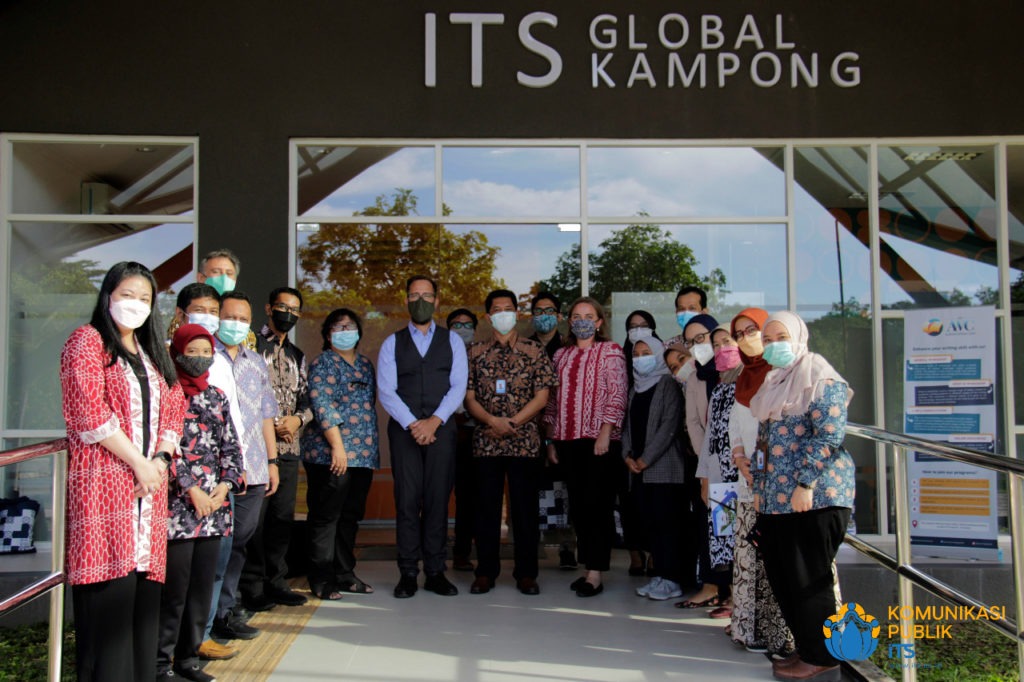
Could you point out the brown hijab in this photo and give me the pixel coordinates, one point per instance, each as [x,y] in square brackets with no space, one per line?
[755,369]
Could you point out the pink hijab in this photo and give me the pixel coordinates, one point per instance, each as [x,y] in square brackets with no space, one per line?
[789,390]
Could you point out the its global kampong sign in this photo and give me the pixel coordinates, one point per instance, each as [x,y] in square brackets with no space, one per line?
[672,50]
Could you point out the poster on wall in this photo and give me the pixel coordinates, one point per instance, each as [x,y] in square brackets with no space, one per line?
[949,397]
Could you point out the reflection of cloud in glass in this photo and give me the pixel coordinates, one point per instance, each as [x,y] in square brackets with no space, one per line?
[528,252]
[481,198]
[411,168]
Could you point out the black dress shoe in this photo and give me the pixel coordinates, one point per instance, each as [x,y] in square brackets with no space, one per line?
[528,586]
[588,590]
[286,597]
[193,673]
[406,587]
[576,584]
[233,628]
[438,584]
[482,585]
[258,603]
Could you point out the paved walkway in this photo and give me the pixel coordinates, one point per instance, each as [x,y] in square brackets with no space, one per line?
[504,636]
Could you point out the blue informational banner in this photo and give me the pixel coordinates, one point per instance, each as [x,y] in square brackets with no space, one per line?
[949,397]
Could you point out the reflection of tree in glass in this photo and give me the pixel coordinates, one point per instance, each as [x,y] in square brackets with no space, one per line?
[365,266]
[640,257]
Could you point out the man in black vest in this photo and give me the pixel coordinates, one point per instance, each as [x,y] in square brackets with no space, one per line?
[421,379]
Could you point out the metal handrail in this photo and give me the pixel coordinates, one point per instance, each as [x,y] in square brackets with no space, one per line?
[902,564]
[54,582]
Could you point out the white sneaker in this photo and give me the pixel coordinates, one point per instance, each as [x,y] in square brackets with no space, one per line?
[666,589]
[646,589]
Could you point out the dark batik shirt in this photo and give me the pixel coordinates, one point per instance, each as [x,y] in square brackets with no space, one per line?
[287,367]
[504,378]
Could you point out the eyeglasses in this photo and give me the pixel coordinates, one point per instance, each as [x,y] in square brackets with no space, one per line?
[344,328]
[750,331]
[463,325]
[639,326]
[283,308]
[697,340]
[545,311]
[426,297]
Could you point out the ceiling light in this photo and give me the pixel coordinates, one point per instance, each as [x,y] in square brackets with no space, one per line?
[569,227]
[145,149]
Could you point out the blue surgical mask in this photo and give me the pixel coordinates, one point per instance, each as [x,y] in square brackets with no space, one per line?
[583,329]
[684,316]
[779,354]
[644,364]
[545,323]
[504,322]
[208,322]
[232,332]
[222,283]
[345,339]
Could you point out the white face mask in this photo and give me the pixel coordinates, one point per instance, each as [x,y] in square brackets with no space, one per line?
[208,322]
[639,333]
[130,313]
[503,322]
[703,353]
[684,372]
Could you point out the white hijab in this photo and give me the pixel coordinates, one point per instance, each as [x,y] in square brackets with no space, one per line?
[789,390]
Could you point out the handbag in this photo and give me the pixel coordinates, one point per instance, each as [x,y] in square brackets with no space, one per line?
[17,522]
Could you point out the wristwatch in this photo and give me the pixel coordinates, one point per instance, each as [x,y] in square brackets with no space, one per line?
[163,455]
[806,486]
[272,461]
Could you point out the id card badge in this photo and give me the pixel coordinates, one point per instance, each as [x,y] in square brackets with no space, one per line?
[499,387]
[759,460]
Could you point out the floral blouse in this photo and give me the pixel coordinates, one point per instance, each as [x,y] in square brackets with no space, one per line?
[344,396]
[808,448]
[210,454]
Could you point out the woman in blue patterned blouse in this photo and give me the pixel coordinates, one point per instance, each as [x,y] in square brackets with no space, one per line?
[805,489]
[340,452]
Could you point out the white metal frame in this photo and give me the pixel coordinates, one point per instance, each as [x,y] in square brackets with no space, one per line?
[788,221]
[7,218]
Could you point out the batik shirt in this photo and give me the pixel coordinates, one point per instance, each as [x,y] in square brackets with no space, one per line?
[287,366]
[256,402]
[504,378]
[210,455]
[808,448]
[345,396]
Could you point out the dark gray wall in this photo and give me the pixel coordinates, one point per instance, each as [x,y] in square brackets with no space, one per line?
[247,76]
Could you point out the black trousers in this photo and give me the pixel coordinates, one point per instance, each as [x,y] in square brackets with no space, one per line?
[185,600]
[523,475]
[465,492]
[662,505]
[336,506]
[246,517]
[116,623]
[592,484]
[424,476]
[265,563]
[634,536]
[798,551]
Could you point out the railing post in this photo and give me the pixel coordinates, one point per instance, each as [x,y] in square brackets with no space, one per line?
[903,553]
[1017,538]
[56,643]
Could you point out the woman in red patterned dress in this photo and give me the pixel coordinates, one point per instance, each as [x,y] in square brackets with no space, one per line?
[584,420]
[124,412]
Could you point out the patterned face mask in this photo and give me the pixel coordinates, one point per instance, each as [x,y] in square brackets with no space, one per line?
[194,365]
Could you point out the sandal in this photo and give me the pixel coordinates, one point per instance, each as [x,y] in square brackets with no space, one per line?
[328,593]
[712,601]
[355,586]
[721,612]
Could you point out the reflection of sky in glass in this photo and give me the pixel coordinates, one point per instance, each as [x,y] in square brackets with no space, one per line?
[505,181]
[150,247]
[408,168]
[684,182]
[942,271]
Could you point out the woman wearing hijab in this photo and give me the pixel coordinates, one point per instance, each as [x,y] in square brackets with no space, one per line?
[123,409]
[697,391]
[199,512]
[653,454]
[805,490]
[640,325]
[757,622]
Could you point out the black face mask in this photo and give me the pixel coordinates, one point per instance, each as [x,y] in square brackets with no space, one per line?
[421,311]
[283,320]
[194,365]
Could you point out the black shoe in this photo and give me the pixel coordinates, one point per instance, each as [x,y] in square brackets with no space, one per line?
[482,585]
[241,613]
[406,587]
[258,603]
[286,597]
[578,583]
[194,673]
[588,590]
[233,628]
[567,560]
[166,675]
[438,584]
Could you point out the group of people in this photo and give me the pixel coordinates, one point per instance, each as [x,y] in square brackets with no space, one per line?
[184,448]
